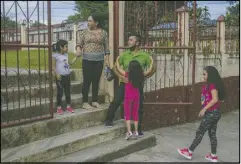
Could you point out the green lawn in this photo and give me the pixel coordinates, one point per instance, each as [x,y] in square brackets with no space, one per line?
[35,57]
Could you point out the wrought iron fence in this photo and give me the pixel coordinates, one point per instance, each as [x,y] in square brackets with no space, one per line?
[157,24]
[26,75]
[232,44]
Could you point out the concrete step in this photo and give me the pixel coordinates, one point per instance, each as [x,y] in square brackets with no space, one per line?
[14,94]
[11,79]
[26,109]
[109,150]
[68,122]
[63,144]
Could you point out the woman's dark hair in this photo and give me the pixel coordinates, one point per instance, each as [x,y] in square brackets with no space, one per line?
[215,78]
[135,75]
[100,18]
[59,44]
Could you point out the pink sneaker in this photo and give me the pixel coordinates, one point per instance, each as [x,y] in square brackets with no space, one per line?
[70,110]
[211,158]
[60,111]
[185,153]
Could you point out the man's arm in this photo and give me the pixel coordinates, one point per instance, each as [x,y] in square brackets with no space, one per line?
[117,73]
[119,69]
[151,70]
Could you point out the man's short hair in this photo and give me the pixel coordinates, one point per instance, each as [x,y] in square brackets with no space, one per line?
[138,37]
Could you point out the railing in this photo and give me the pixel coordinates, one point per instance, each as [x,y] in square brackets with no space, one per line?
[232,43]
[26,76]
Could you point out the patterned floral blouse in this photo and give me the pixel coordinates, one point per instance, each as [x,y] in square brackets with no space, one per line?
[95,44]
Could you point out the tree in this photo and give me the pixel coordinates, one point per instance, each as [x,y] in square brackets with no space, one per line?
[232,2]
[8,23]
[202,14]
[232,14]
[206,13]
[36,24]
[85,8]
[74,18]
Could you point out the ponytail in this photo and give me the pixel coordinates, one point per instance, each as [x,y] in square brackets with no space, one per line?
[54,47]
[60,43]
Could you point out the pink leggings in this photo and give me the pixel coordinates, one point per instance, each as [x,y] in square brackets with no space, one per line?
[131,105]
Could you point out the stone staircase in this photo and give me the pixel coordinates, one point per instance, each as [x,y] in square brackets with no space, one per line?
[72,137]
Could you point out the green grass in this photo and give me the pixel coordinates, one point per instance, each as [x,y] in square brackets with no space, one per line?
[34,57]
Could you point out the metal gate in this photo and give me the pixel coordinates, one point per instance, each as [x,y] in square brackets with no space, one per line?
[164,28]
[26,67]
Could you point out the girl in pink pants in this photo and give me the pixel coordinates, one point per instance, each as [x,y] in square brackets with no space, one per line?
[135,77]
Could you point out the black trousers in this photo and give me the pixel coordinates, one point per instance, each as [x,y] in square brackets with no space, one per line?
[63,85]
[209,123]
[91,75]
[118,99]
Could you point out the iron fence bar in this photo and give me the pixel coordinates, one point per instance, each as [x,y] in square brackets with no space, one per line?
[39,79]
[45,90]
[50,60]
[5,56]
[194,51]
[23,45]
[24,121]
[151,47]
[29,68]
[18,73]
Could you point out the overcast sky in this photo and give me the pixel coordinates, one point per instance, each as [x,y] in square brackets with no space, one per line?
[62,9]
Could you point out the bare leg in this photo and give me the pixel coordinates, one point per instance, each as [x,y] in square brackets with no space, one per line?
[128,126]
[136,126]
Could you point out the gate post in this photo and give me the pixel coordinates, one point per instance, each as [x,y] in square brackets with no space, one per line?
[109,86]
[221,42]
[183,38]
[23,35]
[121,24]
[75,29]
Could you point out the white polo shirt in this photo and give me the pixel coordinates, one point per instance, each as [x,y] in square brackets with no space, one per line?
[62,64]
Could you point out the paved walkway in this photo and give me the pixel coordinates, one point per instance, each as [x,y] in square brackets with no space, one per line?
[171,138]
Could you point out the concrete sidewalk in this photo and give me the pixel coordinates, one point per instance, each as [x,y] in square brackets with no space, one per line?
[171,138]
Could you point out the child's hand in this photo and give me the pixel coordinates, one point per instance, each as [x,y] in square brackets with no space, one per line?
[73,61]
[78,54]
[124,79]
[58,77]
[78,51]
[201,113]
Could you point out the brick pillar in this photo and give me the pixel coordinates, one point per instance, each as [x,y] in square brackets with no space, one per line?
[109,86]
[183,38]
[23,35]
[75,29]
[221,42]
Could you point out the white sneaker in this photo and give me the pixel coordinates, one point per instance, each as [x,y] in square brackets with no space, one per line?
[87,106]
[128,136]
[96,105]
[135,135]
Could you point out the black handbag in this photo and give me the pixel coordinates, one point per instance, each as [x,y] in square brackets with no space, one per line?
[109,73]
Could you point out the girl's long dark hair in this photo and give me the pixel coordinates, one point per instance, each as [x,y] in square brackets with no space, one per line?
[135,75]
[215,78]
[60,43]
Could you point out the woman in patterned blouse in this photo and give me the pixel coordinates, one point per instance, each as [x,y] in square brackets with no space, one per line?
[93,46]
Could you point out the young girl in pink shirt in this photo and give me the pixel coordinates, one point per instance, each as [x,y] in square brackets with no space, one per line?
[135,77]
[213,92]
